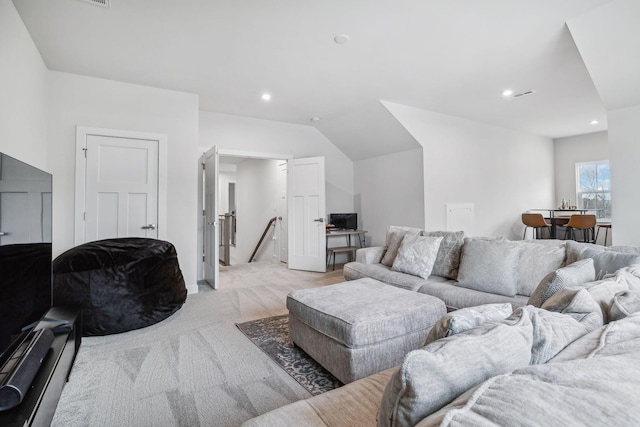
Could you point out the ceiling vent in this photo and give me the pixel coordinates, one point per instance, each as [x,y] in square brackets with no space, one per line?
[101,3]
[525,93]
[510,96]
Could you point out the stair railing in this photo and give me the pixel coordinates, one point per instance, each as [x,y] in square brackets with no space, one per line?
[264,234]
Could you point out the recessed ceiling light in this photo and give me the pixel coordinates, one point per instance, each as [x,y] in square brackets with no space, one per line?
[266,96]
[315,119]
[507,93]
[341,38]
[594,122]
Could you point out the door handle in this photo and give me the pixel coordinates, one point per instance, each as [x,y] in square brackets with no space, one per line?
[149,227]
[319,220]
[2,233]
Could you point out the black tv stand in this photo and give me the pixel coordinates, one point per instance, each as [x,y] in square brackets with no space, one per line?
[40,402]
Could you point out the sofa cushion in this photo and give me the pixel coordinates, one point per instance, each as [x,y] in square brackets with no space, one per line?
[537,259]
[573,274]
[448,259]
[607,262]
[394,237]
[416,255]
[624,303]
[489,266]
[597,386]
[433,376]
[466,318]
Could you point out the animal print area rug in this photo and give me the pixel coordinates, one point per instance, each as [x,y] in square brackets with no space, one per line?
[271,335]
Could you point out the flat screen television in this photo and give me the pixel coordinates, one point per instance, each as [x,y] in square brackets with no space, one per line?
[344,221]
[25,251]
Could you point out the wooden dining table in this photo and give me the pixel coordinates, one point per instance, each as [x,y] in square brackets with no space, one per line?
[560,217]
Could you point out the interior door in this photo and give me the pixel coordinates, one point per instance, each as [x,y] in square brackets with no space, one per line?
[306,207]
[121,193]
[125,165]
[211,229]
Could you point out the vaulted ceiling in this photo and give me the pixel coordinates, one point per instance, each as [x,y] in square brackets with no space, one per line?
[454,57]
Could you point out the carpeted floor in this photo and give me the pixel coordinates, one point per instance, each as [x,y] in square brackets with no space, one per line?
[194,368]
[271,335]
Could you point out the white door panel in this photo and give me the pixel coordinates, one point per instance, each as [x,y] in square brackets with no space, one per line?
[119,177]
[306,202]
[211,229]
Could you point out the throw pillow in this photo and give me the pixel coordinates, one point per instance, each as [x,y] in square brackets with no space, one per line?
[416,255]
[574,274]
[466,318]
[394,241]
[607,262]
[433,376]
[489,266]
[624,304]
[448,258]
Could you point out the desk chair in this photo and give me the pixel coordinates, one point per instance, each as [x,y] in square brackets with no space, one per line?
[535,221]
[586,223]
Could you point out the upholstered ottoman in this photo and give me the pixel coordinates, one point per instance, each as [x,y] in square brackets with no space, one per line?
[357,328]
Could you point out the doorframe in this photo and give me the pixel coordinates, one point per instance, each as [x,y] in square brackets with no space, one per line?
[226,153]
[82,132]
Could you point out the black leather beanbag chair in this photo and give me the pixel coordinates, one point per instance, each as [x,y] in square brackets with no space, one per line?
[121,284]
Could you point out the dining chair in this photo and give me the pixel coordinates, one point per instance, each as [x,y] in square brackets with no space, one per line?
[535,221]
[584,222]
[607,227]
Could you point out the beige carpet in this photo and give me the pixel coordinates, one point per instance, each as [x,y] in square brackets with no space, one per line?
[194,368]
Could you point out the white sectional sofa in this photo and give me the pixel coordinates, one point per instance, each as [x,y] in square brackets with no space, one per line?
[470,271]
[567,355]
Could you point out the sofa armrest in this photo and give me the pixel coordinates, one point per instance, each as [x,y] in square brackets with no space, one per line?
[371,255]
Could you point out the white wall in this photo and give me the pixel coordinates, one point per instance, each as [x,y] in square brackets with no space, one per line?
[624,150]
[571,150]
[23,96]
[501,171]
[248,135]
[264,136]
[78,100]
[257,201]
[389,191]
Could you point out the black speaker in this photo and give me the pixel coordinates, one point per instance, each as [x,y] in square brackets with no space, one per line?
[20,370]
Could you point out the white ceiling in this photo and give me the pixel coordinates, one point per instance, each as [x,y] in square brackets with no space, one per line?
[450,56]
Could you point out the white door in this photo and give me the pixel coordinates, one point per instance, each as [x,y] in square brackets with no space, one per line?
[282,223]
[121,185]
[306,207]
[211,249]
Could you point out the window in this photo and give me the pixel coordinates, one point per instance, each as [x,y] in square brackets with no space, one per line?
[594,187]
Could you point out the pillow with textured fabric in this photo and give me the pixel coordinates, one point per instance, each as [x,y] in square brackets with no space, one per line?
[416,255]
[433,376]
[395,238]
[624,304]
[579,272]
[448,258]
[607,262]
[466,318]
[489,266]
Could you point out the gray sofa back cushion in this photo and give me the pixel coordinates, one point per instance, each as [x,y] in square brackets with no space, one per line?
[537,259]
[607,262]
[489,266]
